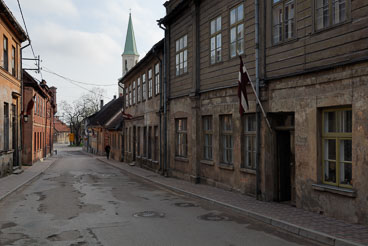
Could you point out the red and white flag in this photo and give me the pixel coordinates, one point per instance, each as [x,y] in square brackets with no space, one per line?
[242,91]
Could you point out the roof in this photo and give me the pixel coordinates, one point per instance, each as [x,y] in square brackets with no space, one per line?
[173,14]
[159,46]
[130,45]
[7,15]
[29,81]
[107,112]
[116,122]
[60,126]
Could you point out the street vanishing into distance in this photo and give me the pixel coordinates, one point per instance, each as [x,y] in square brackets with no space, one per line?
[80,200]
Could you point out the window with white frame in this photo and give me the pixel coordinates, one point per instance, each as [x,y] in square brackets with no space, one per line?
[216,40]
[249,141]
[237,30]
[181,58]
[134,95]
[207,137]
[144,87]
[337,147]
[181,143]
[126,97]
[139,92]
[283,20]
[329,12]
[226,139]
[130,94]
[150,83]
[157,78]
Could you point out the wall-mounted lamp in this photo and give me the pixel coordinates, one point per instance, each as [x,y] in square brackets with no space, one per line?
[25,118]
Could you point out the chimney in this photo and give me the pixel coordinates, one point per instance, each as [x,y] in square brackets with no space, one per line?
[114,96]
[101,104]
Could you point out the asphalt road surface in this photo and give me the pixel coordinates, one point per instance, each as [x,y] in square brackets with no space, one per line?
[82,201]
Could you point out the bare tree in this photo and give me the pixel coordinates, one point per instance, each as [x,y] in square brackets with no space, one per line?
[74,113]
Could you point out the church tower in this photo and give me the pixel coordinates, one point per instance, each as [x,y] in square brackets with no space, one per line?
[130,55]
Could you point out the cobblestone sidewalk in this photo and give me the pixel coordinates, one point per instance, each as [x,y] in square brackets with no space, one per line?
[307,224]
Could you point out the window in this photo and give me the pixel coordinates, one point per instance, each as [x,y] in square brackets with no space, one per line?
[150,83]
[181,60]
[149,142]
[130,94]
[207,137]
[144,86]
[139,141]
[6,65]
[6,126]
[337,147]
[13,62]
[134,95]
[126,97]
[181,146]
[283,21]
[126,65]
[139,96]
[216,40]
[226,139]
[34,142]
[329,12]
[145,141]
[157,78]
[236,30]
[155,146]
[249,141]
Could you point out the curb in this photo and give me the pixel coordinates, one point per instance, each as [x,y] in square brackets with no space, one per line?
[27,181]
[295,229]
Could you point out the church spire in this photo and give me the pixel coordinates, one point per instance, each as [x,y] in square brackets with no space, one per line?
[130,45]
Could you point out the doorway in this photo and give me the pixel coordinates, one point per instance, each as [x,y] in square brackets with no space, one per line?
[134,142]
[285,166]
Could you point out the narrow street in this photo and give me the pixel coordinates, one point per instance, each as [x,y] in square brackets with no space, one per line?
[82,201]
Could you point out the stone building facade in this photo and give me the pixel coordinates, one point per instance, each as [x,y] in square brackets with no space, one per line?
[143,100]
[12,36]
[39,102]
[310,61]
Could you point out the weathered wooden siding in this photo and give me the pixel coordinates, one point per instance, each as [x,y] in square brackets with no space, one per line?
[311,49]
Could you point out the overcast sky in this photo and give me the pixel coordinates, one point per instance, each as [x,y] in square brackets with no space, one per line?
[84,39]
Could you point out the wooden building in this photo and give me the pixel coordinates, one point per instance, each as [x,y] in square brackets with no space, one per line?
[308,60]
[12,36]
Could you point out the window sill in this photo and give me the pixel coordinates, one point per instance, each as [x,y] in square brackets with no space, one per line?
[336,190]
[285,42]
[247,170]
[182,159]
[226,166]
[207,162]
[154,162]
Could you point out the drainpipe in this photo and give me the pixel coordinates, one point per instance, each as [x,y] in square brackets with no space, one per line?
[21,99]
[160,111]
[165,171]
[258,114]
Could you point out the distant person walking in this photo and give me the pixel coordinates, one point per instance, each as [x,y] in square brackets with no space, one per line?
[107,150]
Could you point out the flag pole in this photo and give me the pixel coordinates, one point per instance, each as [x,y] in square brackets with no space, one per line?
[259,102]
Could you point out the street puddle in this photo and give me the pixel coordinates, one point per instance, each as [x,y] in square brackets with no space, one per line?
[149,214]
[65,236]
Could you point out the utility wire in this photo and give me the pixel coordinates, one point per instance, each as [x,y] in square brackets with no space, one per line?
[25,26]
[75,81]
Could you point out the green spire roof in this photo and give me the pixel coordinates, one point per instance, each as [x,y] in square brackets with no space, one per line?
[130,46]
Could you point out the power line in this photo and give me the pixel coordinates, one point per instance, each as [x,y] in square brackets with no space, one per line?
[75,81]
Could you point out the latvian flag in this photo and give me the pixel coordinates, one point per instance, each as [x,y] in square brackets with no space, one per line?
[242,91]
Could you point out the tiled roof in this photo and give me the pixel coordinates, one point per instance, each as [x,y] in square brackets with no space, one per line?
[60,126]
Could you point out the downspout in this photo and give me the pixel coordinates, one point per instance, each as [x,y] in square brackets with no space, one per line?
[165,164]
[160,110]
[21,99]
[258,114]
